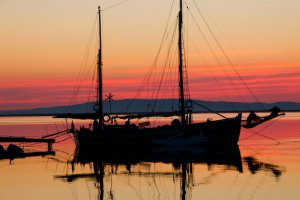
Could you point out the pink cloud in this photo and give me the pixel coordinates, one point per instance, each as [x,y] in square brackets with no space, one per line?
[274,84]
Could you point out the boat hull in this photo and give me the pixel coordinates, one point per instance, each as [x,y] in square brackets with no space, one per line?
[225,132]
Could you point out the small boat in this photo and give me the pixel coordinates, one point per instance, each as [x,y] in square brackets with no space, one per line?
[2,152]
[14,151]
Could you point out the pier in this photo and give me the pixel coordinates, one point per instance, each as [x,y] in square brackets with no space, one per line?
[29,140]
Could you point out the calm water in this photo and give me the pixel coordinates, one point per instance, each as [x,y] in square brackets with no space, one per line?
[266,165]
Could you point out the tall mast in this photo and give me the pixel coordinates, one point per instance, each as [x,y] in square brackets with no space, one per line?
[100,111]
[180,43]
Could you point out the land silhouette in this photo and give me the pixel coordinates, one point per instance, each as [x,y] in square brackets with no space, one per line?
[161,105]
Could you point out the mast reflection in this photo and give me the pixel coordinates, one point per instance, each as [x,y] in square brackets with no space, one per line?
[182,161]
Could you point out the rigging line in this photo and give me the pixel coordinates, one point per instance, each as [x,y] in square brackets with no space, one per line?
[35,144]
[186,59]
[91,89]
[148,75]
[259,132]
[195,102]
[227,57]
[146,78]
[83,64]
[62,140]
[164,39]
[236,52]
[72,138]
[53,134]
[173,78]
[160,48]
[165,65]
[217,59]
[184,71]
[169,79]
[272,123]
[89,192]
[115,5]
[186,41]
[85,77]
[5,135]
[59,135]
[211,71]
[254,133]
[150,71]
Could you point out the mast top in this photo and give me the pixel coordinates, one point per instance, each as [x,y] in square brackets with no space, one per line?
[100,89]
[180,68]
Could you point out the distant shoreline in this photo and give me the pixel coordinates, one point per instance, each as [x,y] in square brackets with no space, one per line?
[52,115]
[165,106]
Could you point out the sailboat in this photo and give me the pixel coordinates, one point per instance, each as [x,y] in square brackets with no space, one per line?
[180,132]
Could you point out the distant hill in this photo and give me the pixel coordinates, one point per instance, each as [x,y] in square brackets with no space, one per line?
[162,105]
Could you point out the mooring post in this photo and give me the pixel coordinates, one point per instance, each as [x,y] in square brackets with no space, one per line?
[49,146]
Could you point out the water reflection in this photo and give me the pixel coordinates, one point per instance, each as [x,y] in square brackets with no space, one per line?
[265,170]
[105,164]
[182,162]
[254,166]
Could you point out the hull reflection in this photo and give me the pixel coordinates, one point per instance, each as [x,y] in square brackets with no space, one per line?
[211,155]
[182,161]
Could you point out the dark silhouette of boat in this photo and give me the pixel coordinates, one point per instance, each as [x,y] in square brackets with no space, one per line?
[181,132]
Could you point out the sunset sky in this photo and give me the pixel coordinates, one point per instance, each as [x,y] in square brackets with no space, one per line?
[43,45]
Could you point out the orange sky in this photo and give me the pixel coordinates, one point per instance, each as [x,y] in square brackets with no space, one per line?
[42,47]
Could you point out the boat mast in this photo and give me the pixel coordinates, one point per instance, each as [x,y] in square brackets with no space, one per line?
[100,110]
[180,43]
